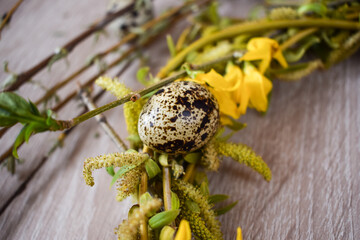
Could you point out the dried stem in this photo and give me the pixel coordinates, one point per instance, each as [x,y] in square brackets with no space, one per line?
[9,14]
[102,121]
[129,37]
[167,188]
[28,74]
[145,91]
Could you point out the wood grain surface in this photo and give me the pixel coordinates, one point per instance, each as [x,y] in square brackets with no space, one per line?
[310,138]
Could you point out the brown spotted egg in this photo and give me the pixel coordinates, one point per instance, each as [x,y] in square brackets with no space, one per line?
[180,117]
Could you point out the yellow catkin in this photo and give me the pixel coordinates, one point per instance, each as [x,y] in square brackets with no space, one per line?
[283,13]
[244,154]
[194,194]
[128,229]
[131,109]
[210,158]
[113,159]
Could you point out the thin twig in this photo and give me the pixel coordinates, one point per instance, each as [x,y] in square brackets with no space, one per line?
[145,91]
[28,74]
[8,15]
[102,121]
[129,37]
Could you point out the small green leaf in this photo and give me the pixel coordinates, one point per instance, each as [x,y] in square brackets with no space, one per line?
[121,172]
[59,54]
[175,202]
[152,168]
[171,45]
[193,157]
[235,125]
[18,141]
[163,218]
[224,210]
[204,188]
[34,109]
[217,198]
[163,160]
[317,8]
[110,171]
[141,74]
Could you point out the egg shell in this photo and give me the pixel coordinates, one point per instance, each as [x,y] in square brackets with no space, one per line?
[179,118]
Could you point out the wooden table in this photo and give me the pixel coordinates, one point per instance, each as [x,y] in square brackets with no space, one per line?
[310,138]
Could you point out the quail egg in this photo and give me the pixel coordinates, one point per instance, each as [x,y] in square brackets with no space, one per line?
[179,118]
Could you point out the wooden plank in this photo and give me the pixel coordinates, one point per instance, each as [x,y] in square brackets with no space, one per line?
[310,138]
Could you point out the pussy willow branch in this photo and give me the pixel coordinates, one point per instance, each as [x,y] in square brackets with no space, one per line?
[253,27]
[129,37]
[145,91]
[8,15]
[108,129]
[28,74]
[125,55]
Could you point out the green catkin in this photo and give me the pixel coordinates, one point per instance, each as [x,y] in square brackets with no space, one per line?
[192,193]
[244,154]
[128,229]
[210,159]
[131,109]
[128,183]
[283,13]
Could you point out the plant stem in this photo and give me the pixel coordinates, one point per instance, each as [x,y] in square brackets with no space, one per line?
[252,27]
[8,15]
[145,91]
[28,74]
[103,122]
[167,188]
[129,37]
[297,37]
[189,172]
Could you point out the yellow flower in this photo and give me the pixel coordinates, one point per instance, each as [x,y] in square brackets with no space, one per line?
[239,234]
[184,231]
[254,90]
[264,49]
[236,90]
[223,89]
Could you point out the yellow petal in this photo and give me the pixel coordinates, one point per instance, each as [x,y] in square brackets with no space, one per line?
[280,58]
[233,77]
[227,105]
[184,231]
[258,87]
[239,234]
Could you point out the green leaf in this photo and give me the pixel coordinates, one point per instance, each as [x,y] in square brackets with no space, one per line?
[34,109]
[297,54]
[193,157]
[175,202]
[163,218]
[224,210]
[171,45]
[217,198]
[123,170]
[152,168]
[18,141]
[59,54]
[110,171]
[141,74]
[163,160]
[235,125]
[317,8]
[192,206]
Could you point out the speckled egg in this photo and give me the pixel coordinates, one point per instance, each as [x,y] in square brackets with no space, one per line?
[180,117]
